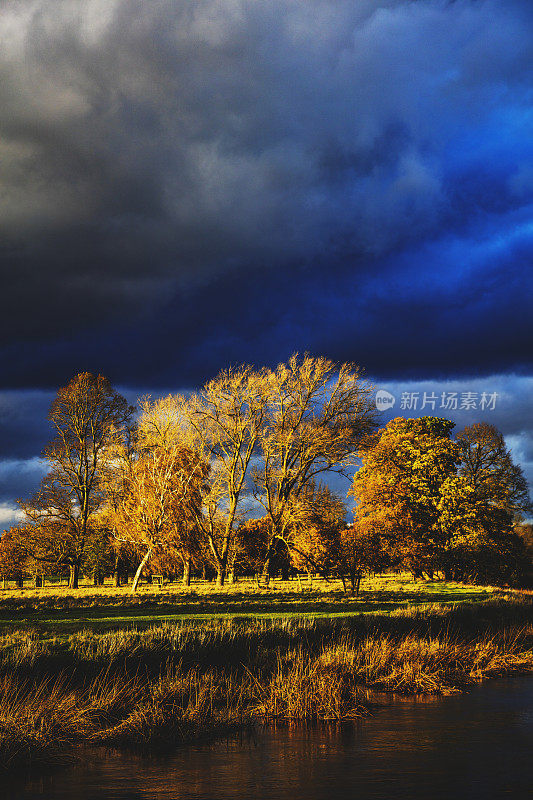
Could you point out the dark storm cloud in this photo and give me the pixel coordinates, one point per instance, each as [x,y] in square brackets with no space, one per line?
[24,431]
[23,424]
[190,184]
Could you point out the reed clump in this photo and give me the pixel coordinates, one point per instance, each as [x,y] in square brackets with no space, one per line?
[40,723]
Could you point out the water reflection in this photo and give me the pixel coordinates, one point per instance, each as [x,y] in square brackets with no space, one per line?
[475,745]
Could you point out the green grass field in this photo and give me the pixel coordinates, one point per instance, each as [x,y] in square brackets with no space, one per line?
[58,610]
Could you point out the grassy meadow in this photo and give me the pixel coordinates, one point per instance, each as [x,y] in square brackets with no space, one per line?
[58,609]
[99,666]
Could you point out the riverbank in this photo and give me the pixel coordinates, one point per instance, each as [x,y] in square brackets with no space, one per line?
[183,682]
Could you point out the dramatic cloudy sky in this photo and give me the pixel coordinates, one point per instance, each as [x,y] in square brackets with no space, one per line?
[188,184]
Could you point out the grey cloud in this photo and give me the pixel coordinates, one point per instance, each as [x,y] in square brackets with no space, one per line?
[19,478]
[9,515]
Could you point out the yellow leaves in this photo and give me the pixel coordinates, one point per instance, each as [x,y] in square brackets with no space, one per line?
[397,488]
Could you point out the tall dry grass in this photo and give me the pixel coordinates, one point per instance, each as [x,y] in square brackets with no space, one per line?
[41,722]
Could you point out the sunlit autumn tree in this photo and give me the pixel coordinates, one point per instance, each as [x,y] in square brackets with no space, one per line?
[99,554]
[357,550]
[399,489]
[156,491]
[436,504]
[252,541]
[489,498]
[226,419]
[162,489]
[319,417]
[85,416]
[171,559]
[121,455]
[487,465]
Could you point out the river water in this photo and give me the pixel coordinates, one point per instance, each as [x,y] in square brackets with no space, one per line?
[474,745]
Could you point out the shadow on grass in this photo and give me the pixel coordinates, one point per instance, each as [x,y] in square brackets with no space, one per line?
[146,611]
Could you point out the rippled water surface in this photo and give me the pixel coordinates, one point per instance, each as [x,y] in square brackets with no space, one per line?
[474,745]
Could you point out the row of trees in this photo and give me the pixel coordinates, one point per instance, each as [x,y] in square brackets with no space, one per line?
[230,479]
[185,475]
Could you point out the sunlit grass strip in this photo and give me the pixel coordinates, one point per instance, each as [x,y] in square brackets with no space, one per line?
[87,595]
[108,608]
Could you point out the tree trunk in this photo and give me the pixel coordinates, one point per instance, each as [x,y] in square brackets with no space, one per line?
[74,576]
[265,574]
[38,581]
[139,571]
[230,569]
[116,573]
[187,572]
[20,581]
[222,566]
